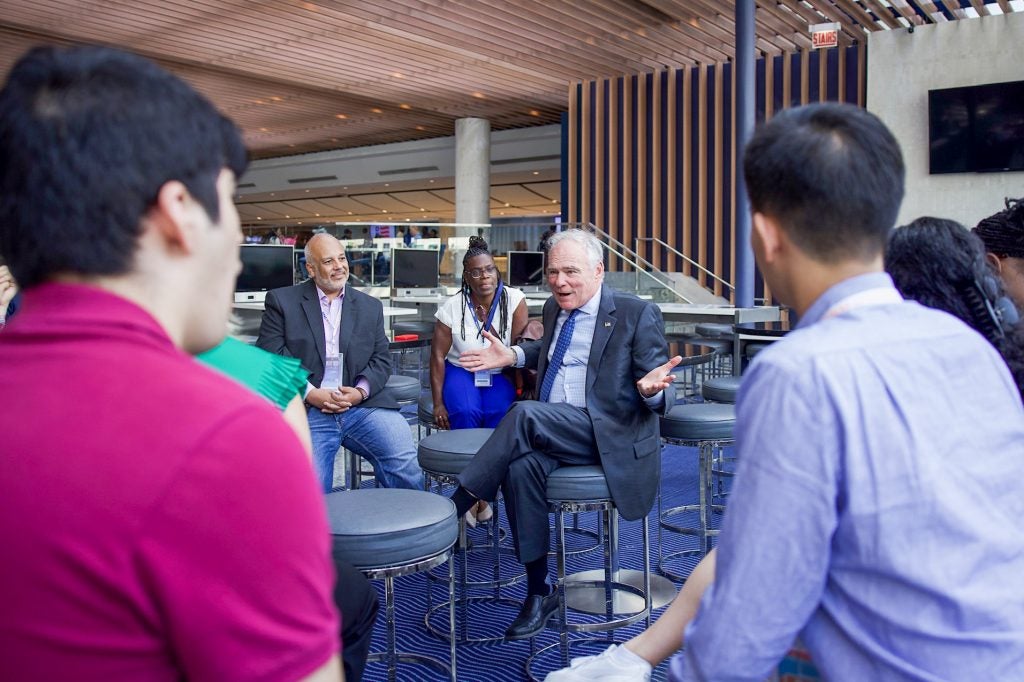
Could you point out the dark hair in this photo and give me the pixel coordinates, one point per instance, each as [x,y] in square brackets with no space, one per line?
[831,175]
[940,264]
[88,136]
[478,247]
[1013,353]
[1003,232]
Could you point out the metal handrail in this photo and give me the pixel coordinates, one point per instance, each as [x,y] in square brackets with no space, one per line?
[685,258]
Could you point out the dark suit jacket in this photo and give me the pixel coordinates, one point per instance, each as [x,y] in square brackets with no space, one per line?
[293,326]
[629,341]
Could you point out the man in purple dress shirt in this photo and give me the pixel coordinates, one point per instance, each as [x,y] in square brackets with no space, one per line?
[877,511]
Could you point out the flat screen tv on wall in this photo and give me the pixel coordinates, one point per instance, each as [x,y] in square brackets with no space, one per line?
[976,129]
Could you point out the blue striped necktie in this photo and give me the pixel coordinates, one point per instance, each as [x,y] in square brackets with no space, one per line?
[562,345]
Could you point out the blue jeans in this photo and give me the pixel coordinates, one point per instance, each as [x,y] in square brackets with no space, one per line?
[378,434]
[472,407]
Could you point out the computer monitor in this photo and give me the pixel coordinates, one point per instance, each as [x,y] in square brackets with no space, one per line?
[526,270]
[414,271]
[264,267]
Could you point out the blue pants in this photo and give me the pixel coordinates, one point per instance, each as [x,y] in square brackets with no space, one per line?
[470,407]
[378,434]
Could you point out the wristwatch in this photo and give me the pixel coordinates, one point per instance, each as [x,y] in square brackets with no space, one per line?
[362,392]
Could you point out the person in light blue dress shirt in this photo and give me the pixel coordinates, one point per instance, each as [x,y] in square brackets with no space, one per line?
[877,509]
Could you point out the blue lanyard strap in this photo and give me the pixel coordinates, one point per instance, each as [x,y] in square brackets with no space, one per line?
[490,314]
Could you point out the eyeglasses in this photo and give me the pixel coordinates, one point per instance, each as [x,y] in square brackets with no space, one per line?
[480,273]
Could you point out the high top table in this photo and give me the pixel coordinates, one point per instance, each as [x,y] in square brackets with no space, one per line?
[690,312]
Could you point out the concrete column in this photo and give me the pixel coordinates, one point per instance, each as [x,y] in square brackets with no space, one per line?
[472,173]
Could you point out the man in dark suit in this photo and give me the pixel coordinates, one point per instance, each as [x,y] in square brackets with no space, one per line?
[324,319]
[603,384]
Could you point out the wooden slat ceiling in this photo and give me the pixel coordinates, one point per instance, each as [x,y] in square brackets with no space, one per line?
[311,75]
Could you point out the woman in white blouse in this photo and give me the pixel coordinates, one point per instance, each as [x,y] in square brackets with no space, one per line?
[463,399]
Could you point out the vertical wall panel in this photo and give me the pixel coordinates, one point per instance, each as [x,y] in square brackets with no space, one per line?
[654,155]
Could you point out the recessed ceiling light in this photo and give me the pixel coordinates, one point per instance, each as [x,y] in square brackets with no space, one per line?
[350,212]
[341,116]
[287,216]
[384,211]
[534,112]
[397,74]
[536,172]
[387,184]
[405,106]
[276,98]
[317,215]
[423,209]
[479,95]
[377,111]
[264,130]
[271,194]
[258,218]
[420,128]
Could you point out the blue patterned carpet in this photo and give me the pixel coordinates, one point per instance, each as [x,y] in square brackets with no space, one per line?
[506,661]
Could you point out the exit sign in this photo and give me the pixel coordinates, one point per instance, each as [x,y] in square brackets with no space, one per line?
[825,35]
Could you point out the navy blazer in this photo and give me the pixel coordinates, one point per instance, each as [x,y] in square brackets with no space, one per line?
[293,326]
[629,341]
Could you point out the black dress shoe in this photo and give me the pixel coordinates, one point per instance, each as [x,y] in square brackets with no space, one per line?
[532,618]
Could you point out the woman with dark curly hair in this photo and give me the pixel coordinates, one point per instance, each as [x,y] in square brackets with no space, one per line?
[1003,235]
[942,265]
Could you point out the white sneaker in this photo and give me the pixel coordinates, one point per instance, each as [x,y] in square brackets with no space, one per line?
[614,664]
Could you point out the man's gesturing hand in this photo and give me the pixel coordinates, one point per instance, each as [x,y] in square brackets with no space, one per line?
[658,379]
[495,356]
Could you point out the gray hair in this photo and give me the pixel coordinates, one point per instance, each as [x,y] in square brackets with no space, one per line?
[591,244]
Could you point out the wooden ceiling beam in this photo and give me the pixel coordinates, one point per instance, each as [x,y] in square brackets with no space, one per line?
[883,13]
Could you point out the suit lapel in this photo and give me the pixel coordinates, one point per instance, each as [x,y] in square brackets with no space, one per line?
[348,321]
[315,317]
[602,332]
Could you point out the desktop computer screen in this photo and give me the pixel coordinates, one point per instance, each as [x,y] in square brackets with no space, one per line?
[414,269]
[526,269]
[264,267]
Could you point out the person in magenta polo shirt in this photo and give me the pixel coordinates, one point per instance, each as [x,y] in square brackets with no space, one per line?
[160,522]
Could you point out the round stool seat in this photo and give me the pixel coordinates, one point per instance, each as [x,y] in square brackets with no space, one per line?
[721,389]
[713,330]
[425,330]
[425,408]
[382,527]
[707,421]
[578,483]
[448,452]
[402,388]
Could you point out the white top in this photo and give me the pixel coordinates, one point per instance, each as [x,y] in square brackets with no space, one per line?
[450,314]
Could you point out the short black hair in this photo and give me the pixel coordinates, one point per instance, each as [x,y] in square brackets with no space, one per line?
[831,175]
[88,136]
[1003,232]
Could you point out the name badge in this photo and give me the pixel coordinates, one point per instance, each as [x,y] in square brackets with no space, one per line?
[333,371]
[482,379]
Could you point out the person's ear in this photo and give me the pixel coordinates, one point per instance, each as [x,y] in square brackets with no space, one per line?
[768,233]
[171,216]
[993,260]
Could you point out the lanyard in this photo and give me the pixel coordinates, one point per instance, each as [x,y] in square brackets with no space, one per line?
[862,299]
[490,315]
